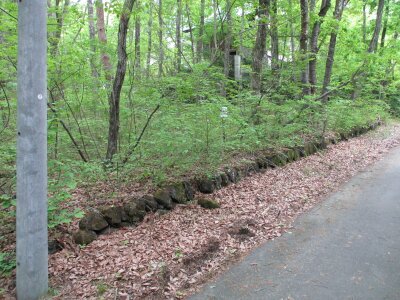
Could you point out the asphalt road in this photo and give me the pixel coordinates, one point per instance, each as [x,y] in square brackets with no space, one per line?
[348,247]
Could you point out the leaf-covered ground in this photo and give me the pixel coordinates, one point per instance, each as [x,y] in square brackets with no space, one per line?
[169,256]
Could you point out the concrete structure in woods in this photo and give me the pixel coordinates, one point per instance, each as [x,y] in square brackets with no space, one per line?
[32,261]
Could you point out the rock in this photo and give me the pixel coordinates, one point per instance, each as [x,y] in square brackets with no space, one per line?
[54,246]
[149,202]
[207,203]
[309,148]
[163,198]
[344,136]
[224,179]
[206,185]
[178,193]
[232,175]
[189,191]
[93,220]
[135,210]
[113,215]
[292,154]
[262,162]
[302,151]
[84,237]
[243,172]
[252,167]
[277,160]
[217,181]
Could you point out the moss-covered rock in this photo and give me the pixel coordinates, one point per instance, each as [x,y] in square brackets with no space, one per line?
[135,210]
[149,202]
[113,215]
[206,185]
[84,237]
[163,198]
[224,179]
[208,203]
[177,193]
[232,175]
[93,220]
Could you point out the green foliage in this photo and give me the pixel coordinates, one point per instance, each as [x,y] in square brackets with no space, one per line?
[7,263]
[59,210]
[187,136]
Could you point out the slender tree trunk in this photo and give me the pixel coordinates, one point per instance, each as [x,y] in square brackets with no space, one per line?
[160,39]
[228,39]
[386,17]
[56,36]
[150,34]
[364,26]
[137,71]
[242,29]
[339,7]
[373,45]
[325,4]
[303,45]
[215,40]
[189,20]
[92,37]
[178,36]
[200,50]
[31,230]
[260,44]
[55,78]
[274,36]
[114,98]
[101,33]
[292,44]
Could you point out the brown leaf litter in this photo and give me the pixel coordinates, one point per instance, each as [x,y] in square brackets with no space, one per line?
[169,256]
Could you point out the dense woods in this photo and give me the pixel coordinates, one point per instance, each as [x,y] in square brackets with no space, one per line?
[138,89]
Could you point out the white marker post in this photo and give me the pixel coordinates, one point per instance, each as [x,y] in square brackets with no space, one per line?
[237,65]
[32,251]
[223,115]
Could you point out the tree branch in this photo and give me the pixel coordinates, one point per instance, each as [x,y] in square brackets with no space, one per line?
[130,152]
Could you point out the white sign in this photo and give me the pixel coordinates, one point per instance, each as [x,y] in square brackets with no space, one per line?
[224,112]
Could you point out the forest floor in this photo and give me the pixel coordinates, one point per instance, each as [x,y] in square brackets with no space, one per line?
[346,247]
[171,255]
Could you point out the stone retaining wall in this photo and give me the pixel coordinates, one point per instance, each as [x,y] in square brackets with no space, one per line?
[99,221]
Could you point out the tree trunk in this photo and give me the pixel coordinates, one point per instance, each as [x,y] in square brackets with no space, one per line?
[114,98]
[92,36]
[303,45]
[31,230]
[385,24]
[160,39]
[339,7]
[274,36]
[364,26]
[373,45]
[56,36]
[189,20]
[178,36]
[228,39]
[325,4]
[137,68]
[101,33]
[292,44]
[215,40]
[199,50]
[259,47]
[149,45]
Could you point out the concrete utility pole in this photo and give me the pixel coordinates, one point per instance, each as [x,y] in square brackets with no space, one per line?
[32,261]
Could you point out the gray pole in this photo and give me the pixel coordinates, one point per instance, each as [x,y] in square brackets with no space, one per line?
[32,261]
